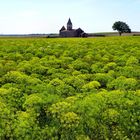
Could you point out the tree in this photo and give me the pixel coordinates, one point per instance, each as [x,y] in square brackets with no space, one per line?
[121,27]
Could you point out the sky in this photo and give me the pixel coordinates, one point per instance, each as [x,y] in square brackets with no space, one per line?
[48,16]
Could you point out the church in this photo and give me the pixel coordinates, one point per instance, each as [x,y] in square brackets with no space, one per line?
[70,32]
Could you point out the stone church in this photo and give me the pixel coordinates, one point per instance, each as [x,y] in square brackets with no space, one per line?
[70,32]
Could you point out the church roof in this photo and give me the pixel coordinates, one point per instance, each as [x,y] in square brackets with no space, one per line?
[69,22]
[73,30]
[63,28]
[79,29]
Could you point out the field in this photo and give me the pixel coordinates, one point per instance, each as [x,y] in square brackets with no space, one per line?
[70,89]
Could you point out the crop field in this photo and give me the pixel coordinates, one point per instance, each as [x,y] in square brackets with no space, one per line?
[70,89]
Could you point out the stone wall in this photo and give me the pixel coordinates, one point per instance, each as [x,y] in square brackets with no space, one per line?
[68,33]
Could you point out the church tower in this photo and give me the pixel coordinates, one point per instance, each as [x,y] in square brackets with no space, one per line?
[69,25]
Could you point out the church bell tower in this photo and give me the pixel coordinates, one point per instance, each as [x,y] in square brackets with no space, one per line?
[69,25]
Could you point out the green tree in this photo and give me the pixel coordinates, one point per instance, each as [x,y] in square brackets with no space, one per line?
[121,27]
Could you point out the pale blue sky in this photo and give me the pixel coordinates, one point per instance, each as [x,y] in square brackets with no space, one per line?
[48,16]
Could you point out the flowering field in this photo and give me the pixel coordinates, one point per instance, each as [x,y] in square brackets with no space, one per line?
[70,89]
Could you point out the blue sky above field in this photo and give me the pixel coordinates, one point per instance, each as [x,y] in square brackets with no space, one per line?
[48,16]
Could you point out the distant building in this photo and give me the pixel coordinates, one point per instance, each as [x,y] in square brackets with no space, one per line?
[70,32]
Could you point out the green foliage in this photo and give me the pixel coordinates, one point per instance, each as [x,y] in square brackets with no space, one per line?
[103,79]
[121,27]
[33,101]
[70,89]
[132,61]
[123,83]
[91,85]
